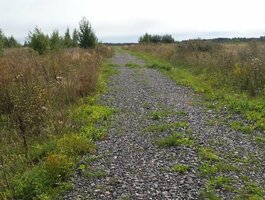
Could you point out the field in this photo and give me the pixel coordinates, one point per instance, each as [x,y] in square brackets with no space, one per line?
[150,120]
[41,97]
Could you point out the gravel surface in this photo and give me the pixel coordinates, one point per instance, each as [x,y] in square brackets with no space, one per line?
[135,167]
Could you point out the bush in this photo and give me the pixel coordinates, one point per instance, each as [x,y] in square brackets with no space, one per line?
[87,37]
[40,180]
[74,144]
[38,41]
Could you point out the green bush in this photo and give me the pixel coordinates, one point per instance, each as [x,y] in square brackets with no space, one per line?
[40,181]
[74,144]
[38,41]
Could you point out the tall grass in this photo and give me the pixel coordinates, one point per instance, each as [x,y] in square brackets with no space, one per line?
[231,75]
[241,66]
[36,92]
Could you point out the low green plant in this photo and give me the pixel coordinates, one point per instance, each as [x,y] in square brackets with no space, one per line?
[159,65]
[156,115]
[260,140]
[75,145]
[250,191]
[181,168]
[175,139]
[132,65]
[240,126]
[94,173]
[166,126]
[207,153]
[207,169]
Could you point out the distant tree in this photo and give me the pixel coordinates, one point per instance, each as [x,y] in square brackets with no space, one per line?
[56,42]
[1,42]
[146,38]
[156,39]
[68,42]
[10,42]
[75,38]
[167,39]
[38,41]
[87,37]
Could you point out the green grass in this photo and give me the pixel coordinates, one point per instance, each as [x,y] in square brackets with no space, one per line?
[260,140]
[175,139]
[240,126]
[156,115]
[207,153]
[166,126]
[132,65]
[180,168]
[209,169]
[250,191]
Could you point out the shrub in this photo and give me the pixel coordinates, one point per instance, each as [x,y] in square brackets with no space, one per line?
[38,41]
[73,144]
[87,37]
[58,166]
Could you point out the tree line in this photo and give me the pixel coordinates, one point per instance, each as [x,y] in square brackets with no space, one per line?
[83,37]
[148,38]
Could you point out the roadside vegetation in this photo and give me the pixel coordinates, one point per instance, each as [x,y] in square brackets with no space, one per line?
[231,75]
[49,111]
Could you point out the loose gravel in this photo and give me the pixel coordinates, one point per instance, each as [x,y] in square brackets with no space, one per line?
[135,167]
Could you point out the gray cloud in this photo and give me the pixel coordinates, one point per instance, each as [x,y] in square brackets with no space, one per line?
[126,20]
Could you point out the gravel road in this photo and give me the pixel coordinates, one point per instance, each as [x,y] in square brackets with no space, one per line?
[136,168]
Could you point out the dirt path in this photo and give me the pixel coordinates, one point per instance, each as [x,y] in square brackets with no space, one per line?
[151,106]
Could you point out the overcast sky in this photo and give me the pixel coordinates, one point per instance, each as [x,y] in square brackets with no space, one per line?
[126,20]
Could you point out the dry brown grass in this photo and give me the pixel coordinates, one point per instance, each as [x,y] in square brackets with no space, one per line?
[240,65]
[35,90]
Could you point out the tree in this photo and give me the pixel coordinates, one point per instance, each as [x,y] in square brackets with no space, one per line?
[10,42]
[75,38]
[1,42]
[56,42]
[146,38]
[87,37]
[68,43]
[167,39]
[38,41]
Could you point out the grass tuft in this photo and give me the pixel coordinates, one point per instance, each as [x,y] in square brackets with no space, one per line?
[176,139]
